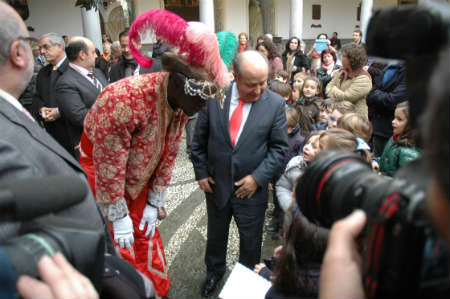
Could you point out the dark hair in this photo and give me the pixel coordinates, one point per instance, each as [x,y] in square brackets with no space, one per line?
[124,33]
[301,252]
[358,31]
[283,74]
[270,47]
[74,48]
[408,137]
[283,89]
[319,85]
[436,124]
[327,104]
[326,35]
[328,51]
[287,49]
[356,55]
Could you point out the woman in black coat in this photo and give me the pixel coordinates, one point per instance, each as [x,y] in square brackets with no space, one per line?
[294,60]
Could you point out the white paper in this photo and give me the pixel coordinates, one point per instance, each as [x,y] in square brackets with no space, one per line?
[244,283]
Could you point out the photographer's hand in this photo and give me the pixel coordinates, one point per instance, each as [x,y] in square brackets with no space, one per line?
[123,232]
[59,280]
[341,274]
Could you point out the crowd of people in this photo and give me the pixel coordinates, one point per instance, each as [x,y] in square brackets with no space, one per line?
[255,126]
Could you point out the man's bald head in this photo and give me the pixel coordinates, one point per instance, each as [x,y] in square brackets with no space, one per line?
[11,29]
[249,60]
[81,51]
[250,72]
[16,59]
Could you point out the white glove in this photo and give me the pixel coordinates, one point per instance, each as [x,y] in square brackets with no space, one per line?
[123,232]
[149,216]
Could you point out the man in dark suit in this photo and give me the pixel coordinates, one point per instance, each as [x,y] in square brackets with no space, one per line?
[127,65]
[45,107]
[26,150]
[78,88]
[236,150]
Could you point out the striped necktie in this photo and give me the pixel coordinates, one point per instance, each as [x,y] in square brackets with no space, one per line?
[97,83]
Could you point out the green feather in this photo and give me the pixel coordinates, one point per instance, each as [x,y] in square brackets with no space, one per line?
[228,44]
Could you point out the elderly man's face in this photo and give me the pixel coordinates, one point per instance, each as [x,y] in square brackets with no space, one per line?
[252,81]
[50,52]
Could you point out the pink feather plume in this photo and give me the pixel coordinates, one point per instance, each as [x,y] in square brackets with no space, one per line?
[163,23]
[193,39]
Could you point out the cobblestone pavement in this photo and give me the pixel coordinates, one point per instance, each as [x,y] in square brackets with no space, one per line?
[184,233]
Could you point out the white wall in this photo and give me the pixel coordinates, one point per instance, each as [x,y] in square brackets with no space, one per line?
[236,16]
[339,16]
[282,19]
[60,16]
[142,6]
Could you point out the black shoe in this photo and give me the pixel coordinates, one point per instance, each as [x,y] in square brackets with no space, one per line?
[209,286]
[272,228]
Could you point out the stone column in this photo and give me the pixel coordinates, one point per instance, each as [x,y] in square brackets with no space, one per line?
[91,27]
[296,19]
[207,13]
[366,13]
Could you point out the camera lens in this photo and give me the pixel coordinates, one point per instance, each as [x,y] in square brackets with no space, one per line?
[335,184]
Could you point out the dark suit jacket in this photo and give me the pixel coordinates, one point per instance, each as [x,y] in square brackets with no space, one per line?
[45,97]
[118,70]
[382,100]
[260,149]
[26,151]
[75,95]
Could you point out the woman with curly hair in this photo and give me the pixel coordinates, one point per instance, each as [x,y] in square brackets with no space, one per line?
[352,83]
[294,60]
[270,51]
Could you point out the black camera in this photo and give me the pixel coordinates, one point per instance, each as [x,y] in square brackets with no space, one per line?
[395,262]
[29,229]
[80,244]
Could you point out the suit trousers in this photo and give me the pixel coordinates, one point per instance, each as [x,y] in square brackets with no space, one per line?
[249,219]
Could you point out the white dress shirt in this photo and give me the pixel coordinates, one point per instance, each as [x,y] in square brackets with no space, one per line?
[13,101]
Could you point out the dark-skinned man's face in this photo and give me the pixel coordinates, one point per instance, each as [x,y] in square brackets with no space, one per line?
[179,99]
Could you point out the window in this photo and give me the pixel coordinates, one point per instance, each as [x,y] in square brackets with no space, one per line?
[316,11]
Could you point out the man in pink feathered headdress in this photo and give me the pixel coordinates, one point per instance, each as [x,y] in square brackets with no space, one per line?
[133,131]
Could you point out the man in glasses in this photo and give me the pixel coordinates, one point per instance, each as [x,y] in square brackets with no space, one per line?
[52,47]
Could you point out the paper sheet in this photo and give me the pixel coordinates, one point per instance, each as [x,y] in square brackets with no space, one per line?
[244,283]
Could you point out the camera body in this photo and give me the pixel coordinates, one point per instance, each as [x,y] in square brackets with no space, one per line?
[82,246]
[398,228]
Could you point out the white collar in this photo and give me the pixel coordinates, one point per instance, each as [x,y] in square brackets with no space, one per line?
[11,99]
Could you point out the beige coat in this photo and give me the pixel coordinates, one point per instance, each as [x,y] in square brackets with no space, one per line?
[353,90]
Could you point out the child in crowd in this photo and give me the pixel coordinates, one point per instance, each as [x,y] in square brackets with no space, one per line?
[299,79]
[296,142]
[401,147]
[326,108]
[337,138]
[281,75]
[295,169]
[296,92]
[283,89]
[307,105]
[304,274]
[339,109]
[358,126]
